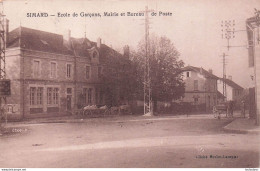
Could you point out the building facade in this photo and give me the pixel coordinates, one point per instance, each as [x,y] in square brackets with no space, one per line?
[233,90]
[252,26]
[52,74]
[200,88]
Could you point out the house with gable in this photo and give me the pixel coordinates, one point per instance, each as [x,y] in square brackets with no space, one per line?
[51,73]
[200,88]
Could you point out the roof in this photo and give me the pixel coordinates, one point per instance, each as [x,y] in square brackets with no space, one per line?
[200,70]
[32,39]
[232,83]
[37,40]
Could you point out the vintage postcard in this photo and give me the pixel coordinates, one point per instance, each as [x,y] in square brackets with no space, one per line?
[129,84]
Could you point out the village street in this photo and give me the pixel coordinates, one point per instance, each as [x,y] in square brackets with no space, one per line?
[129,142]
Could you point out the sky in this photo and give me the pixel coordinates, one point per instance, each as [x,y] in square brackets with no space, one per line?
[194,27]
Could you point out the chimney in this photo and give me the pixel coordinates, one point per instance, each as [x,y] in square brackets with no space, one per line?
[6,31]
[126,52]
[67,36]
[230,77]
[210,71]
[99,42]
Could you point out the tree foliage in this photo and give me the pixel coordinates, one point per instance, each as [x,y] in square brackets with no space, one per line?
[166,82]
[119,79]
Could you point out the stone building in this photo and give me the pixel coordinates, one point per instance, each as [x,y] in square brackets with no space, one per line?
[53,74]
[200,88]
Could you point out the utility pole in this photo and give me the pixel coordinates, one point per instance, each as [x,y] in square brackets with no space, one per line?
[228,32]
[224,77]
[4,83]
[148,104]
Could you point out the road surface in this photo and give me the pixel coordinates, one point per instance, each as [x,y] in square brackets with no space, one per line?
[134,142]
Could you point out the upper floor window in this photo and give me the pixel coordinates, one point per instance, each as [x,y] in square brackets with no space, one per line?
[69,71]
[88,72]
[53,69]
[187,74]
[196,85]
[95,54]
[36,68]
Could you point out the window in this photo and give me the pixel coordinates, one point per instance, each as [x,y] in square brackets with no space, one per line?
[69,70]
[99,72]
[187,74]
[100,97]
[36,68]
[49,96]
[89,96]
[55,96]
[69,90]
[85,95]
[36,95]
[196,85]
[52,96]
[96,97]
[39,95]
[32,95]
[95,54]
[87,72]
[53,69]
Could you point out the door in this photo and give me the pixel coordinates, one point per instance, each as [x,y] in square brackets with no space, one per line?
[69,99]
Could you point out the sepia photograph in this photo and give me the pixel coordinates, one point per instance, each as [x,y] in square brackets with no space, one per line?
[129,84]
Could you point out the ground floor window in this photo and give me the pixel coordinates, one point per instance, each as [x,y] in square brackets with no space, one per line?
[52,96]
[99,96]
[36,95]
[87,94]
[90,96]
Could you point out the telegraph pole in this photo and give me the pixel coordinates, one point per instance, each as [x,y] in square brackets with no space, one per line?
[224,77]
[148,104]
[4,84]
[228,32]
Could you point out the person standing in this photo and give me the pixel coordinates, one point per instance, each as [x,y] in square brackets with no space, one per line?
[243,109]
[231,108]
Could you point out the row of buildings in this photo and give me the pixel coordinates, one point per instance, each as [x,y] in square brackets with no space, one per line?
[52,74]
[203,89]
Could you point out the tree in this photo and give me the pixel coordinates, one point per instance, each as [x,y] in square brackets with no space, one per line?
[118,79]
[166,82]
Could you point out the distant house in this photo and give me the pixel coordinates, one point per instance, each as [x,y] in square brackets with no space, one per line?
[233,89]
[200,88]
